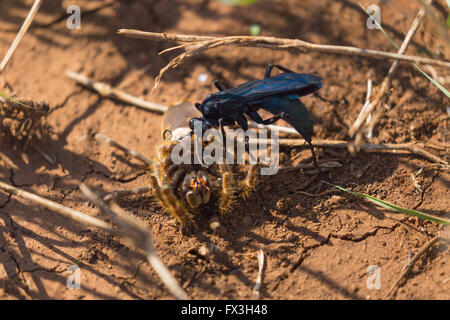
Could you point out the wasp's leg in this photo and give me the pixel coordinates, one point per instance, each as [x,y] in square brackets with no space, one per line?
[170,202]
[248,184]
[227,194]
[271,66]
[220,86]
[222,131]
[242,122]
[307,138]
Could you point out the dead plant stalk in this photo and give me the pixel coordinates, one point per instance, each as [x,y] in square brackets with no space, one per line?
[23,30]
[387,80]
[197,44]
[129,228]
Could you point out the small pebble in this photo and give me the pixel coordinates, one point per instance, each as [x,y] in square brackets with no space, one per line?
[203,77]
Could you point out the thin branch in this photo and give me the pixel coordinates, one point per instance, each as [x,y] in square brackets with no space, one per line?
[197,44]
[316,195]
[58,208]
[416,148]
[101,138]
[385,84]
[136,232]
[272,127]
[105,90]
[125,193]
[367,104]
[259,278]
[132,229]
[29,19]
[325,165]
[409,267]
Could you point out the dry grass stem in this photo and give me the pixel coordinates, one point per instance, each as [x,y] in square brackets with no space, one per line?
[101,138]
[325,165]
[417,148]
[105,90]
[58,208]
[387,80]
[271,127]
[258,284]
[410,265]
[366,105]
[23,30]
[134,230]
[198,44]
[126,193]
[317,195]
[131,228]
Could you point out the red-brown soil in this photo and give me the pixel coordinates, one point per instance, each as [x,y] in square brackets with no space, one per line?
[315,247]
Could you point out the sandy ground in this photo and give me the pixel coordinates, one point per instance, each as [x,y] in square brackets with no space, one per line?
[315,247]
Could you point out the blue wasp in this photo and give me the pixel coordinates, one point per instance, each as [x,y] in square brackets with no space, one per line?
[278,94]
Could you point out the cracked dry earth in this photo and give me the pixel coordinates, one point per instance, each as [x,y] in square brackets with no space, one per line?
[315,247]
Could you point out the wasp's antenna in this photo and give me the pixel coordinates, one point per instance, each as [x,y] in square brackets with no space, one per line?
[165,137]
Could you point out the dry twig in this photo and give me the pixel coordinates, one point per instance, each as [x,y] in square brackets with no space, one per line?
[58,208]
[258,284]
[139,235]
[417,148]
[131,228]
[316,195]
[101,138]
[105,90]
[410,265]
[197,44]
[325,165]
[34,9]
[126,193]
[385,84]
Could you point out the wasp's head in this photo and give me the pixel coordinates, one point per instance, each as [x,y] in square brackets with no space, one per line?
[199,123]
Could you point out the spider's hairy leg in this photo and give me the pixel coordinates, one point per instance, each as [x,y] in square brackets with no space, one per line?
[170,201]
[227,189]
[165,150]
[248,184]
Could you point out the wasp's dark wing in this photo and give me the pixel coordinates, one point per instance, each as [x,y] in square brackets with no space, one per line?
[283,84]
[295,113]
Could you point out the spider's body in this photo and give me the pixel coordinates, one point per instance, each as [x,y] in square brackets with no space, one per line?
[188,189]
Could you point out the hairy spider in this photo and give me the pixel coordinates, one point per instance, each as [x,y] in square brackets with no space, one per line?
[186,190]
